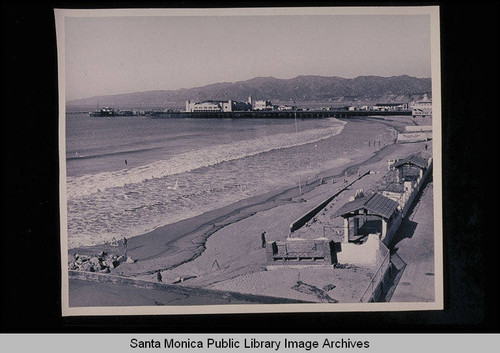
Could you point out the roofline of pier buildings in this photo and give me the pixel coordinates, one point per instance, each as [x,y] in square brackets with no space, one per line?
[232,106]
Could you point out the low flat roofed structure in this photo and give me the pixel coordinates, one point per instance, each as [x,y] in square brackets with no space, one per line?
[301,252]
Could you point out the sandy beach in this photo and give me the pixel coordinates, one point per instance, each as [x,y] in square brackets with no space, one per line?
[222,250]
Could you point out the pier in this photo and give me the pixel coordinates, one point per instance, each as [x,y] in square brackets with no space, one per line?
[300,114]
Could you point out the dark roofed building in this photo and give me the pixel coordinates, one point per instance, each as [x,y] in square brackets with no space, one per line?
[411,167]
[415,159]
[395,188]
[368,214]
[375,204]
[397,191]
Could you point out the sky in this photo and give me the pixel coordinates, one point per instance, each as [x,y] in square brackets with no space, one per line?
[113,55]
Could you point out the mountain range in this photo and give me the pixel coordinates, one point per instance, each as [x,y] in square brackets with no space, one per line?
[371,89]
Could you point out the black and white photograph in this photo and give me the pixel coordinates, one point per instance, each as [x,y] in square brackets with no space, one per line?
[252,160]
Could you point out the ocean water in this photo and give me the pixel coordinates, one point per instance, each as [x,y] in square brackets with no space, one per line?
[129,175]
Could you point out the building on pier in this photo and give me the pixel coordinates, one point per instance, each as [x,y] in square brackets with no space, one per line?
[386,107]
[422,108]
[262,105]
[213,106]
[283,108]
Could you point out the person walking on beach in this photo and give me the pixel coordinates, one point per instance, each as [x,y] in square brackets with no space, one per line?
[125,246]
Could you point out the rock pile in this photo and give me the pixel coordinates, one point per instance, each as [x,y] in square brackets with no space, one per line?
[102,262]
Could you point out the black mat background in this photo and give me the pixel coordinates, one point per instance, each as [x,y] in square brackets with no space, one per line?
[30,259]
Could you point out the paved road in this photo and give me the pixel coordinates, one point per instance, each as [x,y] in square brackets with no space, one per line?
[417,250]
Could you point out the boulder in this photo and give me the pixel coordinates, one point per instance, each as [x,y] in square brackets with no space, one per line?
[104,270]
[95,260]
[86,267]
[129,260]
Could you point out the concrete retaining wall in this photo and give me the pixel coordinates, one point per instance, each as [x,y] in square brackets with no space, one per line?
[368,253]
[393,228]
[209,293]
[380,281]
[418,128]
[310,214]
[416,190]
[408,203]
[414,136]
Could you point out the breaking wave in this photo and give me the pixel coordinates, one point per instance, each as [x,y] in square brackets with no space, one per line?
[192,160]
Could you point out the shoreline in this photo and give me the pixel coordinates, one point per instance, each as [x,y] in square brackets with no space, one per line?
[172,245]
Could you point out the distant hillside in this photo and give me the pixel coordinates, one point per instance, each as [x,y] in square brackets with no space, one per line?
[301,88]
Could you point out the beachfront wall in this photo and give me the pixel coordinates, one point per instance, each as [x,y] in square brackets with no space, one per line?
[392,228]
[201,295]
[381,280]
[373,253]
[302,220]
[412,187]
[418,128]
[414,136]
[368,253]
[416,188]
[301,252]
